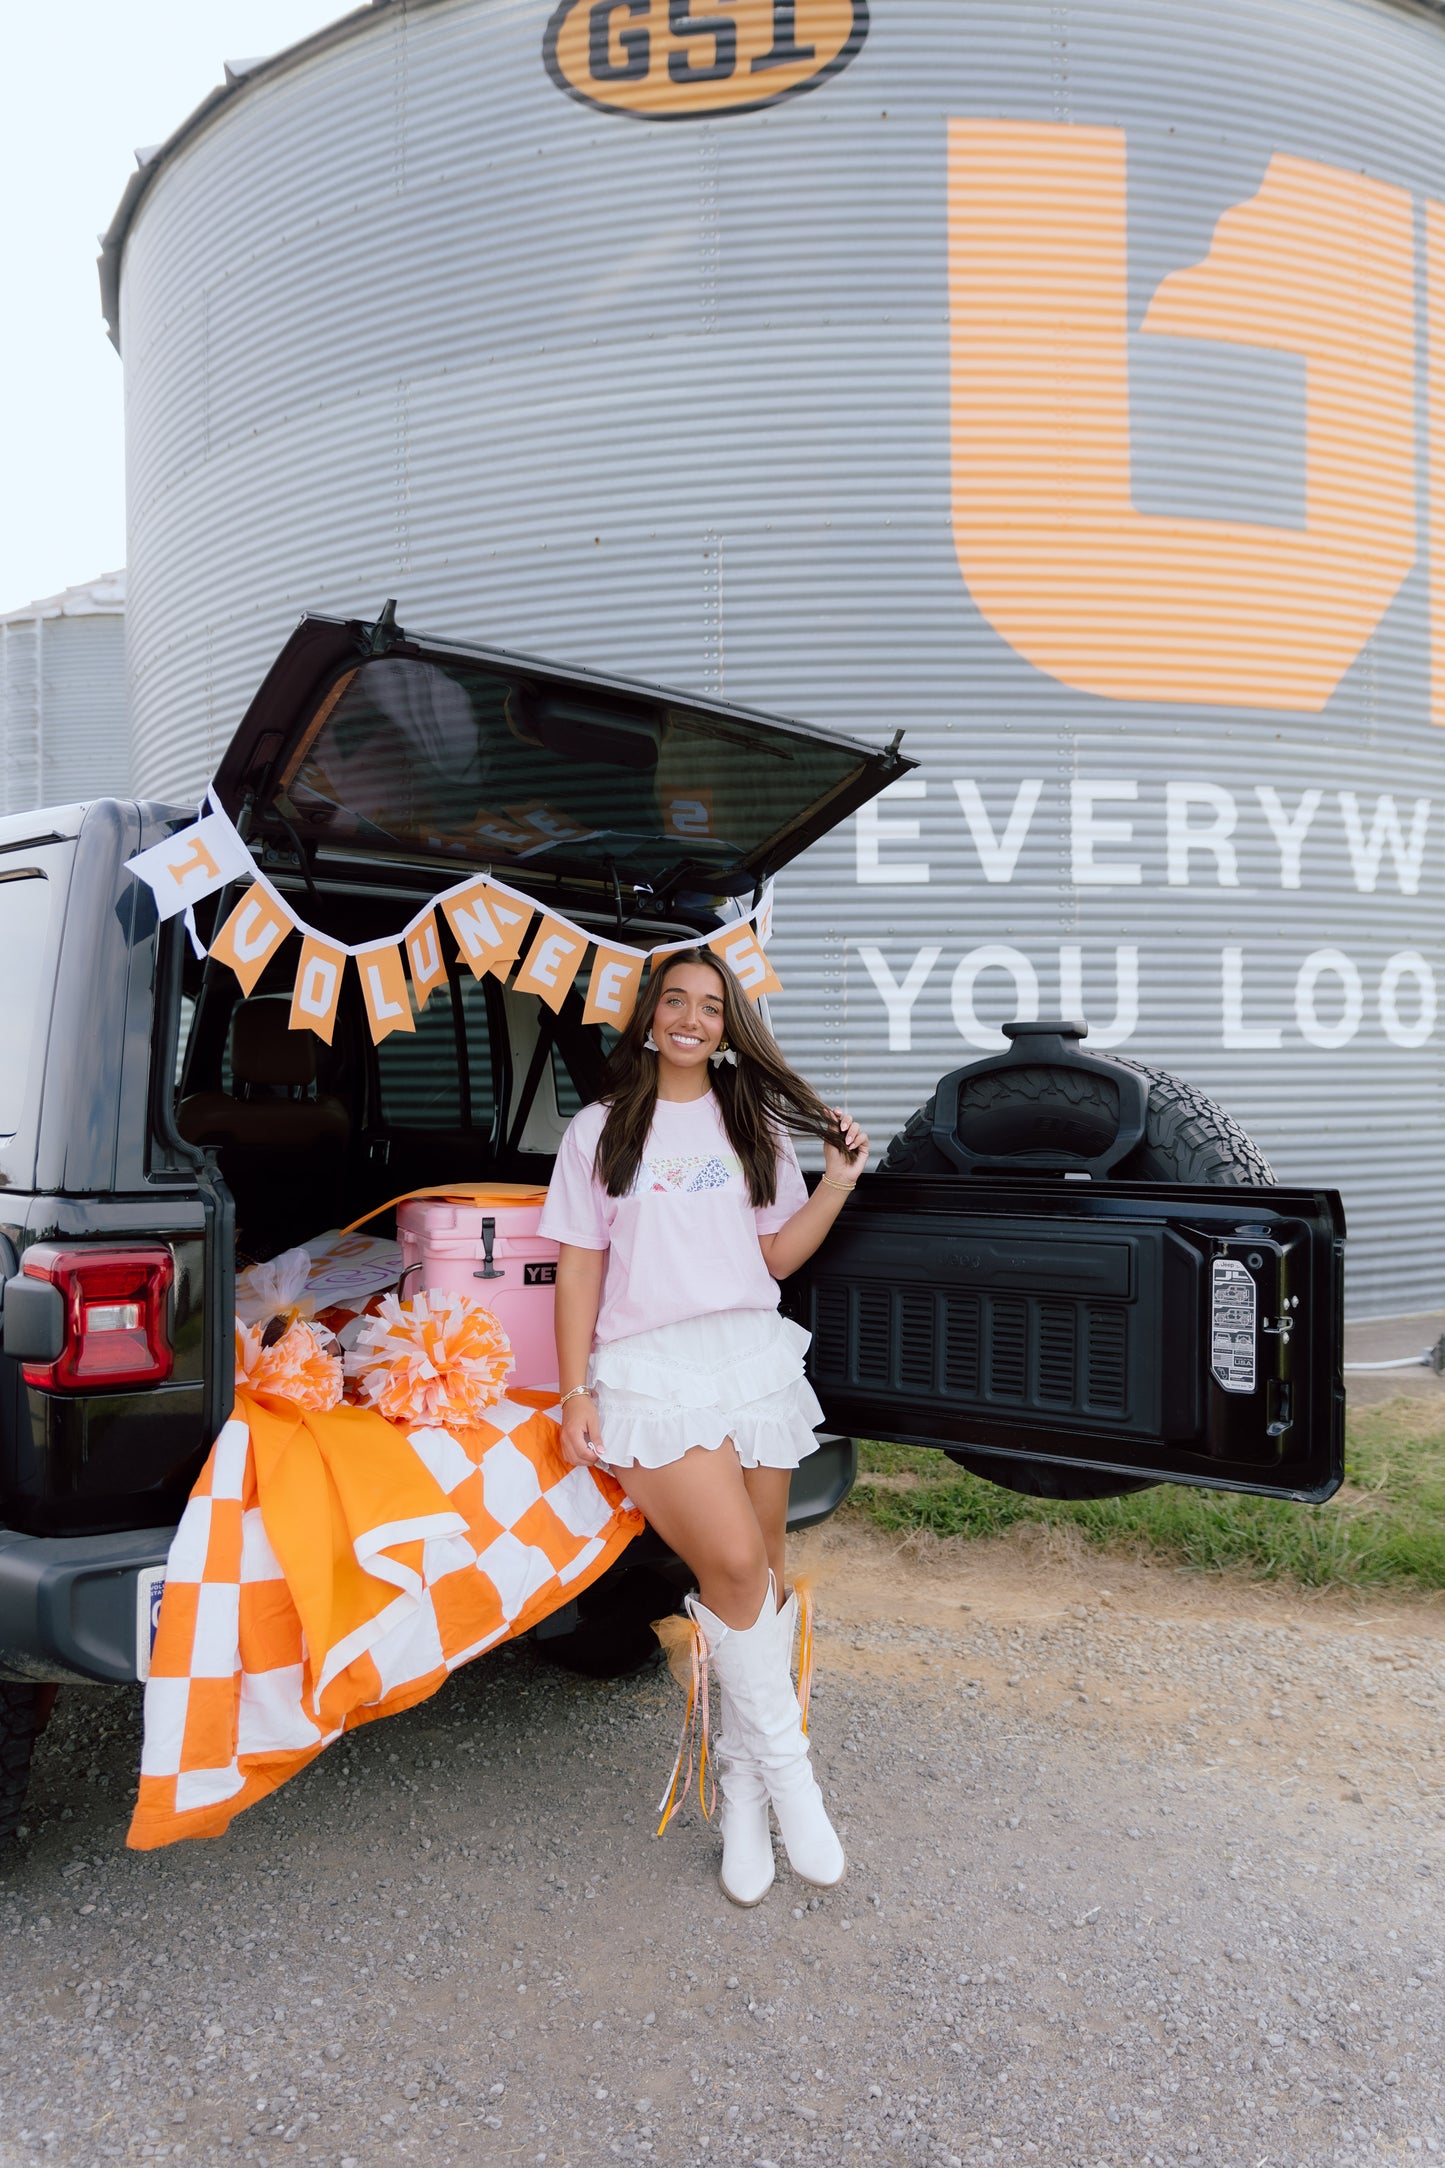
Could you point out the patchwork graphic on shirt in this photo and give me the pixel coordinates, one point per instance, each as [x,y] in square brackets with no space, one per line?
[688,1172]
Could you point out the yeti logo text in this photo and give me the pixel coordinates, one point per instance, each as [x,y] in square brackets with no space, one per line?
[1132,605]
[695,59]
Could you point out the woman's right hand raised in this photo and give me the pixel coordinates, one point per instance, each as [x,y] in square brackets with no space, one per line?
[581,1441]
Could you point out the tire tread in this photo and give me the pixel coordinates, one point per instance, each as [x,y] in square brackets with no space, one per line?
[1188,1137]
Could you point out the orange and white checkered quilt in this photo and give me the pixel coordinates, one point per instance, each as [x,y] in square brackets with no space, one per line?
[333,1568]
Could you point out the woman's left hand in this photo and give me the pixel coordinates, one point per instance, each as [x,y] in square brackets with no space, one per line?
[845,1165]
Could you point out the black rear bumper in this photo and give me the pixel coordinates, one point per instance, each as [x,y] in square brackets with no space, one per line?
[822,1481]
[68,1604]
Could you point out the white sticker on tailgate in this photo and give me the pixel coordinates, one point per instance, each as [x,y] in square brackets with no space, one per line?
[1233,1340]
[150,1585]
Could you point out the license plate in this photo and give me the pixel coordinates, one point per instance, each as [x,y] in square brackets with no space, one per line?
[150,1585]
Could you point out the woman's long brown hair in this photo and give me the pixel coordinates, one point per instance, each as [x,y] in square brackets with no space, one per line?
[758,1098]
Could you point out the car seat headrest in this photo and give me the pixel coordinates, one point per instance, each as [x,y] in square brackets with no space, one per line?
[264,1049]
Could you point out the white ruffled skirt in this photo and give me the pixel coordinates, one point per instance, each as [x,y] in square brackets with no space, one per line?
[734,1374]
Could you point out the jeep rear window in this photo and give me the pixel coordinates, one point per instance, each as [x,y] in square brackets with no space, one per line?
[24,912]
[469,763]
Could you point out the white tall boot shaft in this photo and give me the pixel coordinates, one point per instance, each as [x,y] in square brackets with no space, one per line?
[748,1868]
[753,1669]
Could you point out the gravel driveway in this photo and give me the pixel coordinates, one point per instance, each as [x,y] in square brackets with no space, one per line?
[1138,1876]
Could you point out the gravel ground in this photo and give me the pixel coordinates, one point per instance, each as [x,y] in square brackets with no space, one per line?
[1144,1870]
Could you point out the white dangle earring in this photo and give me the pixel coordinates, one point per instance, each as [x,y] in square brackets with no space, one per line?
[724,1053]
[649,1044]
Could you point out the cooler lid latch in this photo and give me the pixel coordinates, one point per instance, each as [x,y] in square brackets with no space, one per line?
[489,1271]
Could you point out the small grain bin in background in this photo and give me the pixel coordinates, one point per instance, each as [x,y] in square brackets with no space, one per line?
[64,720]
[1063,383]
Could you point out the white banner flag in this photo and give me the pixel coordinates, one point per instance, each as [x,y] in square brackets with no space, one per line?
[193,864]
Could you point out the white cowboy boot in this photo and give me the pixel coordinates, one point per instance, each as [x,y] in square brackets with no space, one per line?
[748,1869]
[754,1670]
[810,1839]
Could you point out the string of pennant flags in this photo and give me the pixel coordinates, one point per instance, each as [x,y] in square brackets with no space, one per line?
[491,923]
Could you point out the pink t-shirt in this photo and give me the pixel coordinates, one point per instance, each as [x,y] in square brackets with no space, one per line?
[684,1241]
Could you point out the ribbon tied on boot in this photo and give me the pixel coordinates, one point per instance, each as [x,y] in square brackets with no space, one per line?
[686,1648]
[762,1746]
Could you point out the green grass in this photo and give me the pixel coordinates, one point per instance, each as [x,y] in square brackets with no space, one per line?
[1384,1529]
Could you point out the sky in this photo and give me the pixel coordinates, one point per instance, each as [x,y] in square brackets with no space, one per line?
[84,83]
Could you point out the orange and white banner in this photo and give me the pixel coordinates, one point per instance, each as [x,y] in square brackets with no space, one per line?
[384,988]
[424,956]
[318,986]
[742,952]
[614,985]
[490,921]
[553,961]
[687,813]
[253,933]
[548,825]
[502,834]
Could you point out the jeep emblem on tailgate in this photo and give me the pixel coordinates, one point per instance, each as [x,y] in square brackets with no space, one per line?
[690,60]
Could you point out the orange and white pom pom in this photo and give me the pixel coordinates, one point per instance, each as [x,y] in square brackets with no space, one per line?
[297,1368]
[433,1359]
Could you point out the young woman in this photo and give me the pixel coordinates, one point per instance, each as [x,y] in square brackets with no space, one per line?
[679,1205]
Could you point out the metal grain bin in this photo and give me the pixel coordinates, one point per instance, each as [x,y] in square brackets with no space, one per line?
[1055,382]
[64,724]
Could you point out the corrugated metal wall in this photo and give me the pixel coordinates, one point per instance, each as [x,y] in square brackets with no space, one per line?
[1051,380]
[20,714]
[64,719]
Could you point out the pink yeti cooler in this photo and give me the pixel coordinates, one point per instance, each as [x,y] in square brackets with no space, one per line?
[483,1242]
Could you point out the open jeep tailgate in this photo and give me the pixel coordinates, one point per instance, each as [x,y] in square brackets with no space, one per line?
[1188,1335]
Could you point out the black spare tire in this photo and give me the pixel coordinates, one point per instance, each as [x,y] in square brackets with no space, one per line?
[1030,1111]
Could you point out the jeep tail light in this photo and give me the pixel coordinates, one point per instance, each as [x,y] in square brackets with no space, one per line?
[116,1305]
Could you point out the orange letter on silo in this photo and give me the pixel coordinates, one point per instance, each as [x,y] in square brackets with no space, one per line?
[1130,605]
[1435,455]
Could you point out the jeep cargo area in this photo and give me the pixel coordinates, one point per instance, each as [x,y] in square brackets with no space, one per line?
[1158,1317]
[158,1124]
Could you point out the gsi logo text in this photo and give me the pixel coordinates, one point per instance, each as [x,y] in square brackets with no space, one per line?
[672,60]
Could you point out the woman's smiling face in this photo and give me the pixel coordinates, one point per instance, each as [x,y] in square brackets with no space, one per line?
[687,1023]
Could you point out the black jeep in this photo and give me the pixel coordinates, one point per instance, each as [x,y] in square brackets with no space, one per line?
[1071,1275]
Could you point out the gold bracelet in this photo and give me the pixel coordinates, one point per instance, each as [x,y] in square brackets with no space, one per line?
[824,1182]
[584,1390]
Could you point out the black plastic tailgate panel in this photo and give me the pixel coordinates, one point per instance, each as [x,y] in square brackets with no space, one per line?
[1189,1334]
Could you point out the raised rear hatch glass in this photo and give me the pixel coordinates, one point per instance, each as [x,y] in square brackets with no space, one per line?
[363,739]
